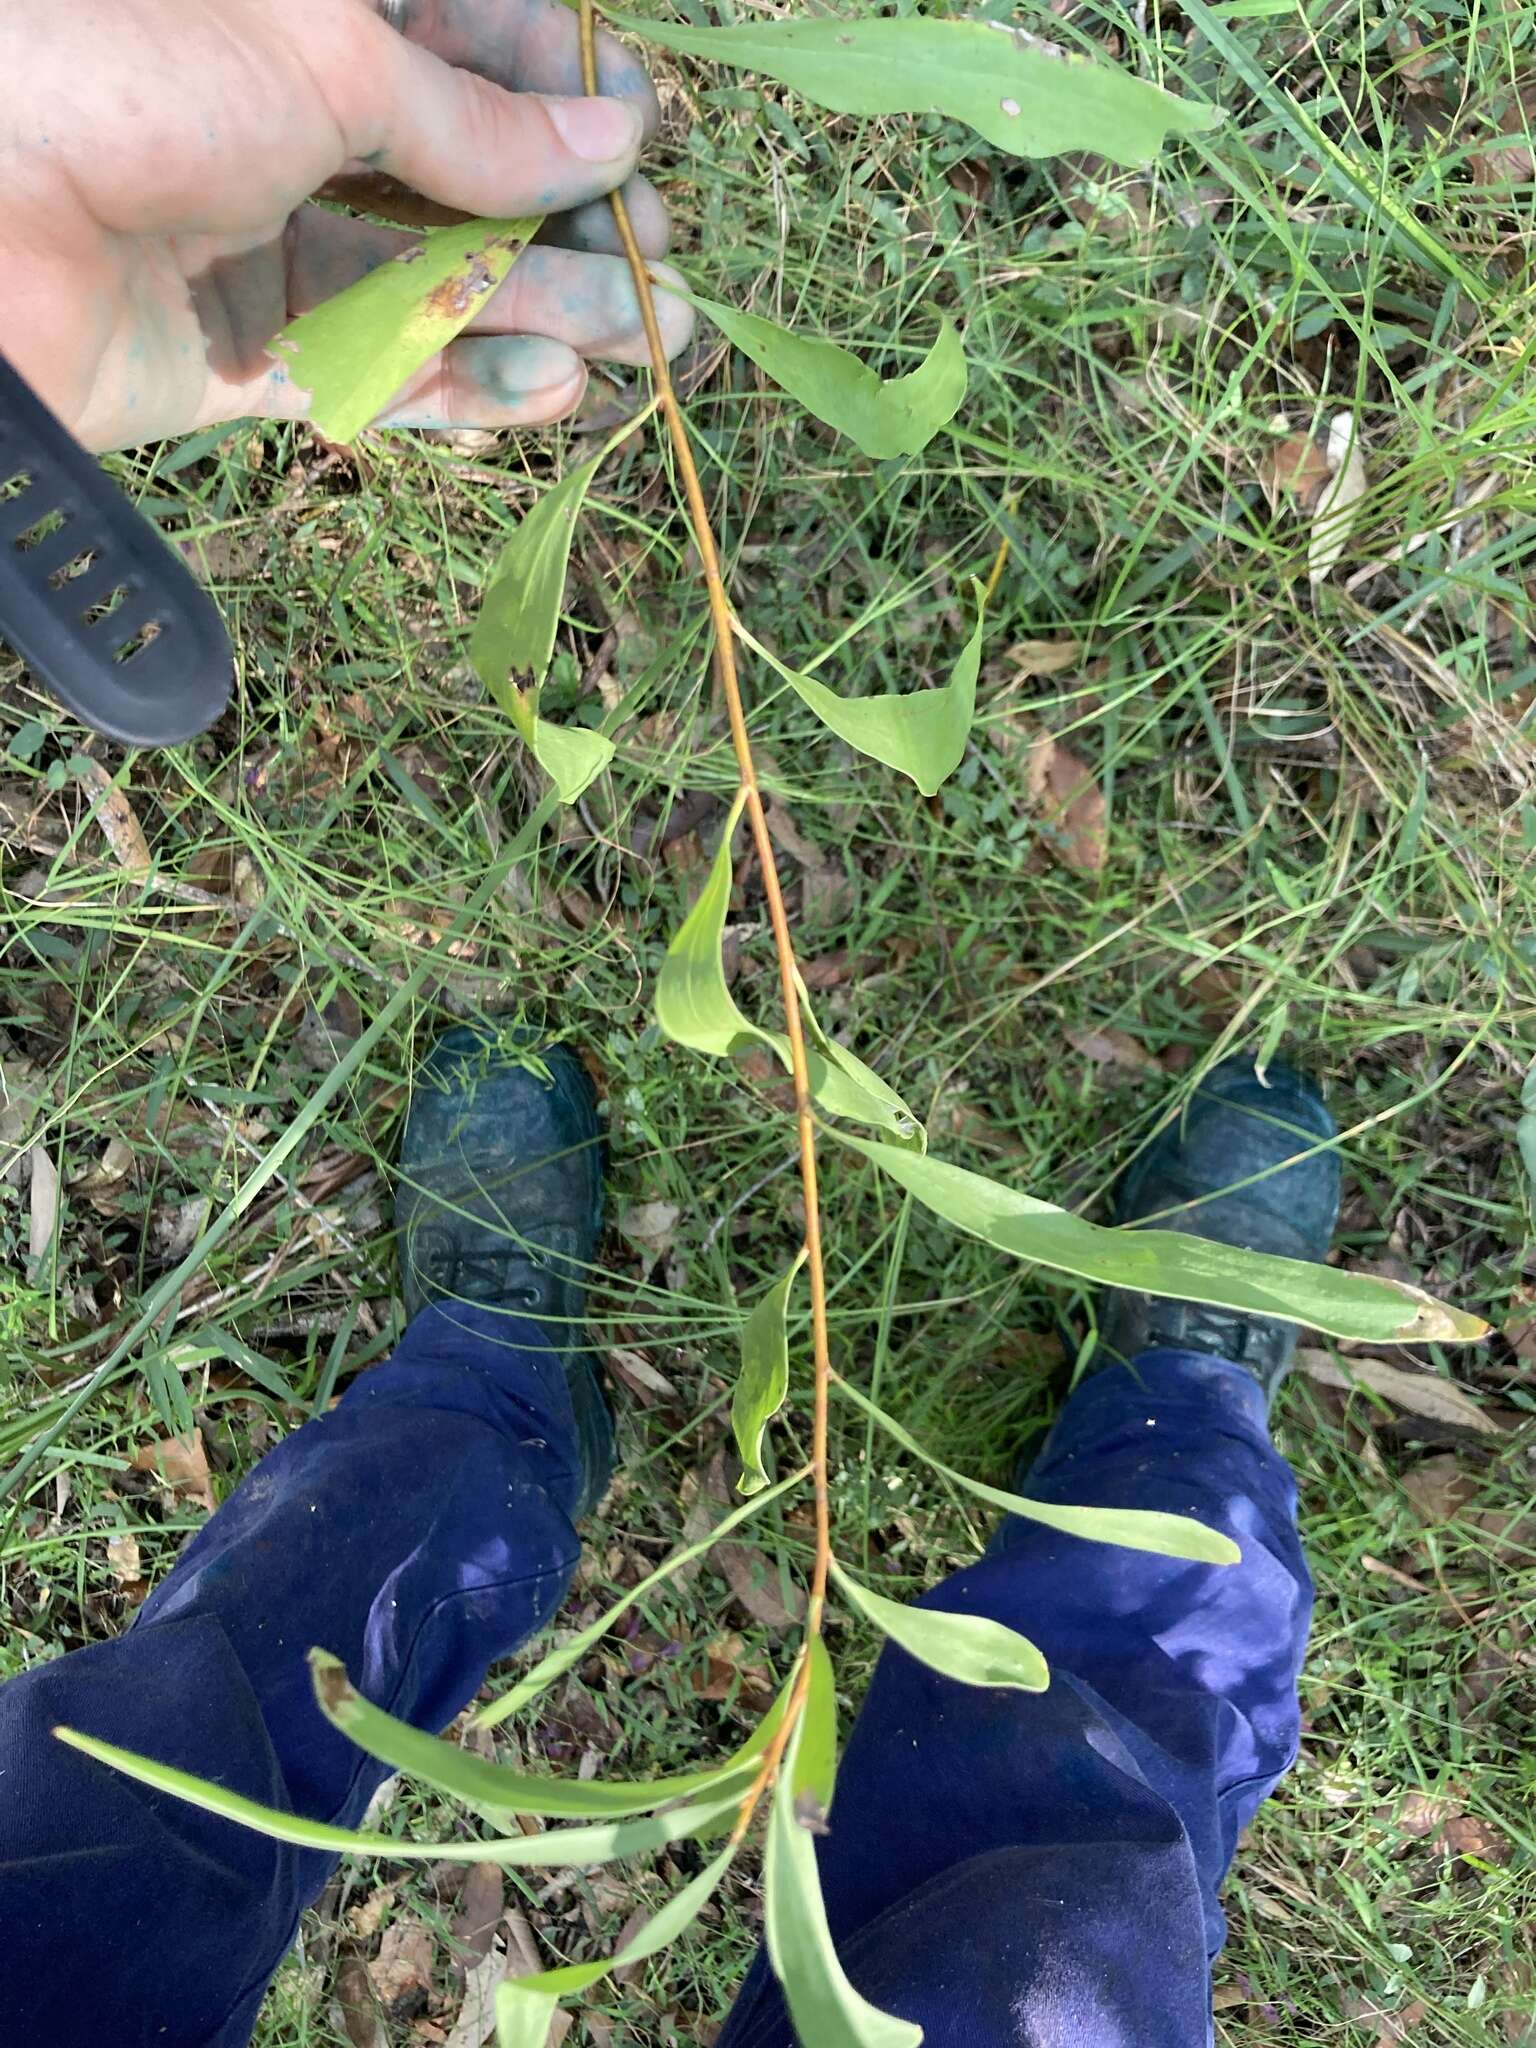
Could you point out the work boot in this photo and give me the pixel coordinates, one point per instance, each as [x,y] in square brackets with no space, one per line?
[500,1202]
[1234,1127]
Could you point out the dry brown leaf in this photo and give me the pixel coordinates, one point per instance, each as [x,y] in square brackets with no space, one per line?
[759,1586]
[366,1919]
[1294,468]
[43,1213]
[635,1371]
[357,2010]
[1069,804]
[115,815]
[1420,1393]
[651,1226]
[181,1463]
[1508,158]
[1424,1813]
[1114,1048]
[1338,504]
[1044,657]
[1469,1835]
[1438,1488]
[479,1912]
[401,1972]
[477,2015]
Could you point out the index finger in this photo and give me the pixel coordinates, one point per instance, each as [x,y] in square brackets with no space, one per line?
[527,46]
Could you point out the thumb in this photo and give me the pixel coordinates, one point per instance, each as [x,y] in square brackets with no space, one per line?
[467,143]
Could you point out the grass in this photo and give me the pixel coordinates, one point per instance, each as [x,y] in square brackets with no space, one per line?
[1321,814]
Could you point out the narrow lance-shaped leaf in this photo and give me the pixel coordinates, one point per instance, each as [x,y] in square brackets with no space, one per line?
[603,1842]
[558,1661]
[970,1648]
[815,1767]
[525,2007]
[824,2006]
[1131,1528]
[1026,97]
[1356,1305]
[695,1007]
[920,733]
[899,416]
[762,1385]
[355,352]
[520,614]
[499,1792]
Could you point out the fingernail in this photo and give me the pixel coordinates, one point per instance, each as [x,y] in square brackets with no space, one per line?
[515,369]
[598,131]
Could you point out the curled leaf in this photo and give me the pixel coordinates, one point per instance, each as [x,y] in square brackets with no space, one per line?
[920,733]
[897,417]
[763,1382]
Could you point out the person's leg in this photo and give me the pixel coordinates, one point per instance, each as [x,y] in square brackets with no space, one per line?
[420,1531]
[1043,1870]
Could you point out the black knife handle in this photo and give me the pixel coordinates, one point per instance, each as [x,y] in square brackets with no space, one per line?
[91,597]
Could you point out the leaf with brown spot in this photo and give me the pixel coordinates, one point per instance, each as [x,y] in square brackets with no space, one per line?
[1068,804]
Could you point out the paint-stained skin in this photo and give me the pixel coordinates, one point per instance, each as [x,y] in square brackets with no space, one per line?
[157,233]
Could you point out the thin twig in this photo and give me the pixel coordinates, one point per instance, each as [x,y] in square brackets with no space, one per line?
[729,684]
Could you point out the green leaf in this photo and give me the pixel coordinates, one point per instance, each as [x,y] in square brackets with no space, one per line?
[1131,1528]
[763,1382]
[693,1004]
[920,733]
[499,1792]
[570,755]
[354,353]
[822,2003]
[604,1842]
[515,632]
[1026,97]
[970,1648]
[815,1766]
[525,2006]
[897,417]
[695,1007]
[555,1663]
[1169,1262]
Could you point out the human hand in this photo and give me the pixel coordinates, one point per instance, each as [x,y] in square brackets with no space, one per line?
[158,156]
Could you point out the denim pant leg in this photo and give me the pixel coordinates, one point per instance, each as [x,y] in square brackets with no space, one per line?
[419,1531]
[1009,1869]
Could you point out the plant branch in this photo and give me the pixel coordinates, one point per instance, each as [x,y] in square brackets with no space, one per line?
[728,682]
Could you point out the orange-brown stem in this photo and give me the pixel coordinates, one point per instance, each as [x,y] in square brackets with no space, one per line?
[729,684]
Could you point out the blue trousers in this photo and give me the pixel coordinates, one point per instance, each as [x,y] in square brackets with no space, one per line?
[1002,1868]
